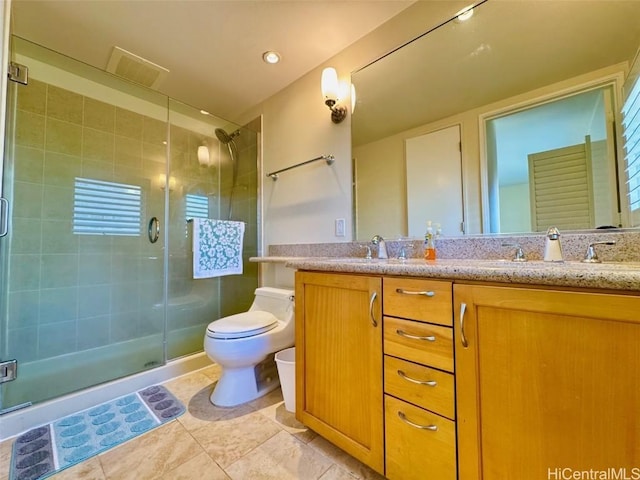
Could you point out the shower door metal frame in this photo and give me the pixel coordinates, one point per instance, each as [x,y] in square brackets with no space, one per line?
[5,18]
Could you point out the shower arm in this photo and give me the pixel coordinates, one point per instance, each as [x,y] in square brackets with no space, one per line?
[327,158]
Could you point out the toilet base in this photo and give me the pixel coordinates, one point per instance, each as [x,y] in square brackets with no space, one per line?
[243,384]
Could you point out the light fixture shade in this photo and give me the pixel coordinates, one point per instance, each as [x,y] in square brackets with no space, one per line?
[203,155]
[464,14]
[162,180]
[353,98]
[330,84]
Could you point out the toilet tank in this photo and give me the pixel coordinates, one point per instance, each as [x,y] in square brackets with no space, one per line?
[275,300]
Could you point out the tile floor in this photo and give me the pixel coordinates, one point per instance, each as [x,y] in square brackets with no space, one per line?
[256,441]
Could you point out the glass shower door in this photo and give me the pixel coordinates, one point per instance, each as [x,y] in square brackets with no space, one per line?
[82,267]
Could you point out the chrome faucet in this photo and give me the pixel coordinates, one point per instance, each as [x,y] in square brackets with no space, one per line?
[591,256]
[382,246]
[519,255]
[552,246]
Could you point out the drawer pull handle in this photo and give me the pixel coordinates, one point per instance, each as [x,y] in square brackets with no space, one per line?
[402,416]
[371,300]
[463,337]
[428,383]
[407,292]
[402,333]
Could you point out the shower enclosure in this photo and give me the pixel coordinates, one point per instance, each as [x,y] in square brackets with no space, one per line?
[101,177]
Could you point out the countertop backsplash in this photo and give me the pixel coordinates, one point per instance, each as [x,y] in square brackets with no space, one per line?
[488,247]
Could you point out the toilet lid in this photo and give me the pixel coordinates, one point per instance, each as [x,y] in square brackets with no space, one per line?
[242,325]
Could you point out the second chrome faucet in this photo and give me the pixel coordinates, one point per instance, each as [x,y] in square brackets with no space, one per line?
[382,246]
[552,246]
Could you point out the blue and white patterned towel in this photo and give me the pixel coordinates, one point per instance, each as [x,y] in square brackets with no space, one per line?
[217,247]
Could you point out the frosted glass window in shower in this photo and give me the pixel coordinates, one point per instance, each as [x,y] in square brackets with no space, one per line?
[106,208]
[197,206]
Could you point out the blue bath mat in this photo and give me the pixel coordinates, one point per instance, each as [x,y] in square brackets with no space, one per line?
[43,451]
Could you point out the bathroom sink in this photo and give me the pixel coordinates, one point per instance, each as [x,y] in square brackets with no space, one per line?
[352,260]
[381,261]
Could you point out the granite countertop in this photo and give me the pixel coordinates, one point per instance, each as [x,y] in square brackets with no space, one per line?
[614,275]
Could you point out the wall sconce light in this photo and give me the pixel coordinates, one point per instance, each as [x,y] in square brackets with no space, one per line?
[330,93]
[162,180]
[203,156]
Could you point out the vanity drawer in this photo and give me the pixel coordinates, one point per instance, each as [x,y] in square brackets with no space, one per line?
[423,386]
[418,299]
[419,342]
[418,453]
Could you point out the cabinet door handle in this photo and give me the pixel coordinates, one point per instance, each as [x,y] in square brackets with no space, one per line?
[463,337]
[428,383]
[407,292]
[371,300]
[402,416]
[402,333]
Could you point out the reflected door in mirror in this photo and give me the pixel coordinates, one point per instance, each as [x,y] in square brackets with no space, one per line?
[434,182]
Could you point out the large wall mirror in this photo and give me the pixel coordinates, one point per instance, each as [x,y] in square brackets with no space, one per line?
[505,123]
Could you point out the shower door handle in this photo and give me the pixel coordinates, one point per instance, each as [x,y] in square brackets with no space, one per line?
[153,231]
[4,213]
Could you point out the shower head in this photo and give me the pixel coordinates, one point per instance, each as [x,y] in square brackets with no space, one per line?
[225,137]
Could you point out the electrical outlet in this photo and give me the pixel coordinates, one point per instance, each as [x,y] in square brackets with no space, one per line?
[340,227]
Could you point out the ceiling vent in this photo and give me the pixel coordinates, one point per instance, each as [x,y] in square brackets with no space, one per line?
[137,69]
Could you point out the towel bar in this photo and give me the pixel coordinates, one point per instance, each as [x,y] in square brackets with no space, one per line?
[327,158]
[190,220]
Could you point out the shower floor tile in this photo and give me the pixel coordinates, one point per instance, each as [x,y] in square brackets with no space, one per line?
[256,441]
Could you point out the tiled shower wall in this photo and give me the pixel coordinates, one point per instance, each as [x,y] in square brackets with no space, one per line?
[68,292]
[71,292]
[230,294]
[236,291]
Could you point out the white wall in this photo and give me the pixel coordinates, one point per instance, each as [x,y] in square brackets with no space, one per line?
[301,206]
[517,217]
[381,190]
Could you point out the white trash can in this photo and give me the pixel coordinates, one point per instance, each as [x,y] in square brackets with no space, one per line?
[286,362]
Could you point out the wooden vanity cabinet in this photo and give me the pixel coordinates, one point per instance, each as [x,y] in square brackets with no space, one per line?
[339,361]
[420,430]
[546,380]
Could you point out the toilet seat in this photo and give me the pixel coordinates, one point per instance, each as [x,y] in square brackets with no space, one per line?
[242,325]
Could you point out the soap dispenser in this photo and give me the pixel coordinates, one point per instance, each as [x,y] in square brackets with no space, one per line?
[429,244]
[552,246]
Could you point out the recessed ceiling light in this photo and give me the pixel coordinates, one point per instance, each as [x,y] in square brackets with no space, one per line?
[204,112]
[271,57]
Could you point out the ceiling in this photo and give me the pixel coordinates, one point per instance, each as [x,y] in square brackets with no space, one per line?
[212,48]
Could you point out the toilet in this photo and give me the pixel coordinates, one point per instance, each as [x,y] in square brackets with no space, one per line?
[244,346]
